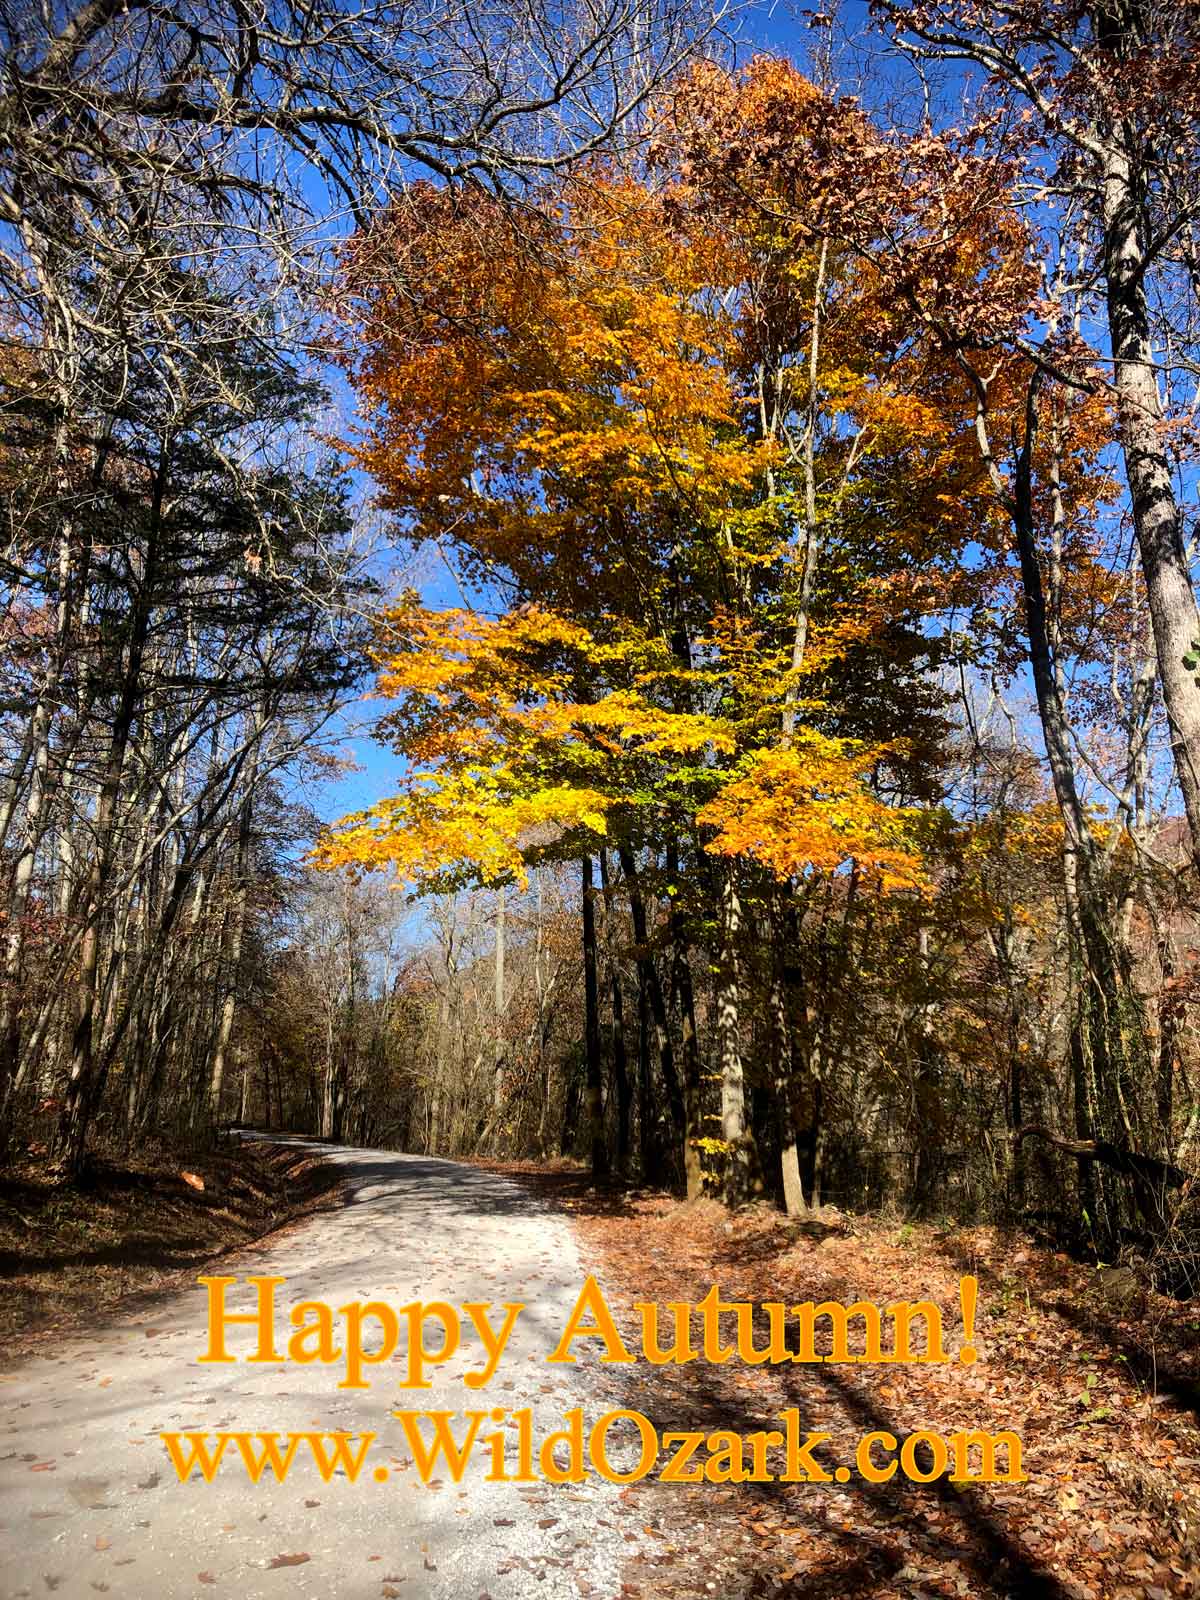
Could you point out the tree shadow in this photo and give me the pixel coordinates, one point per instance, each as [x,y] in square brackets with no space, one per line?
[967,1534]
[1163,1366]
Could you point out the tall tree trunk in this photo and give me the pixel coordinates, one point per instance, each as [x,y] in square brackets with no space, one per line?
[693,1087]
[740,1156]
[620,1058]
[648,1147]
[18,903]
[595,1071]
[1107,1039]
[1157,519]
[789,1155]
[650,985]
[35,755]
[85,1084]
[498,1058]
[243,1066]
[329,1077]
[233,955]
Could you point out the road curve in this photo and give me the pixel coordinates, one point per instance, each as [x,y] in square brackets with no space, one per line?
[90,1504]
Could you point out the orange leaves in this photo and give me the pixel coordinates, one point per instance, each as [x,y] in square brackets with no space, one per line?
[559,362]
[517,674]
[647,729]
[436,652]
[808,806]
[688,424]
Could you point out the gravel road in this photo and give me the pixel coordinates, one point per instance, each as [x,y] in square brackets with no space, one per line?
[90,1504]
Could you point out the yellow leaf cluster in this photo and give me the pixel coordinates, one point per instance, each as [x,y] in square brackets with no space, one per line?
[466,823]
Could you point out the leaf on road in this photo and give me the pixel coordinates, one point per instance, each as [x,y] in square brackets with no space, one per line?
[290,1561]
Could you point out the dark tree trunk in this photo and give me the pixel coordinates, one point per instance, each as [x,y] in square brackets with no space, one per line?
[620,1058]
[650,986]
[681,982]
[595,1071]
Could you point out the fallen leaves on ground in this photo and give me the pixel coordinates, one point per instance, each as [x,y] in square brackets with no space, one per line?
[1111,1510]
[69,1257]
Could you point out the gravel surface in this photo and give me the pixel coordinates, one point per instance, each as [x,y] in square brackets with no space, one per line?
[89,1501]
